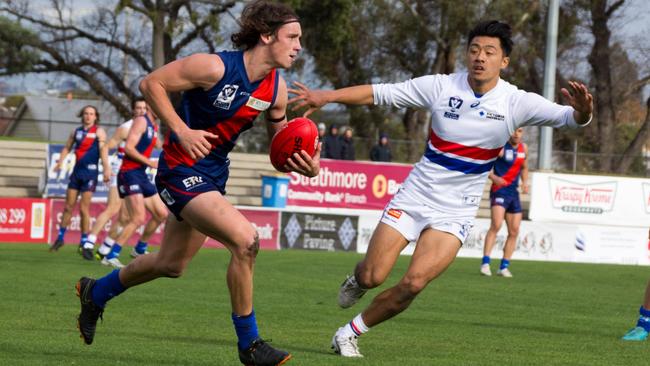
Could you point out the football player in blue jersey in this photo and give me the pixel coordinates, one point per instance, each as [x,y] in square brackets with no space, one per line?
[223,93]
[504,201]
[89,145]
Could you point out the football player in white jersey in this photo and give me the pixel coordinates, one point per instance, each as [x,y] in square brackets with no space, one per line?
[473,114]
[114,203]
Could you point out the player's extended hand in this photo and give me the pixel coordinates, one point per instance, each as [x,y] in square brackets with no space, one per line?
[303,164]
[580,99]
[195,142]
[525,188]
[106,175]
[153,164]
[314,99]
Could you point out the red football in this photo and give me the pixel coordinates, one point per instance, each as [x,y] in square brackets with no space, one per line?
[299,134]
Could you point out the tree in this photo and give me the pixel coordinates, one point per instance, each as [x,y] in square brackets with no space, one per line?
[612,89]
[88,47]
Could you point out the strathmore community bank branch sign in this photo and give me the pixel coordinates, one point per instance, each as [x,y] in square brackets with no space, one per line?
[348,184]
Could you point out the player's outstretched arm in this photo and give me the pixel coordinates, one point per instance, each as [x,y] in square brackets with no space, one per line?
[196,71]
[315,99]
[581,100]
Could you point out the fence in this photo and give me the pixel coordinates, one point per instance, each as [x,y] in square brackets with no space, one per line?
[256,141]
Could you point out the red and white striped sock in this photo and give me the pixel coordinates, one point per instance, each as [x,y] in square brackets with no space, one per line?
[356,327]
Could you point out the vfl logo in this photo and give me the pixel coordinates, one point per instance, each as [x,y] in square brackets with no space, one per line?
[226,96]
[192,181]
[149,133]
[395,213]
[167,197]
[79,135]
[455,102]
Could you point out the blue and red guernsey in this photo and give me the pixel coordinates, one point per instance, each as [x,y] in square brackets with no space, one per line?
[227,109]
[145,146]
[86,148]
[508,167]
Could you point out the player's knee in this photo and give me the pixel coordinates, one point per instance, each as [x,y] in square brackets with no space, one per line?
[172,269]
[513,232]
[247,245]
[139,218]
[161,215]
[367,278]
[68,208]
[84,211]
[411,286]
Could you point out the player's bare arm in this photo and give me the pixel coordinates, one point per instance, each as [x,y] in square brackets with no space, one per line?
[524,172]
[103,154]
[65,151]
[315,99]
[581,100]
[300,163]
[135,133]
[196,71]
[118,136]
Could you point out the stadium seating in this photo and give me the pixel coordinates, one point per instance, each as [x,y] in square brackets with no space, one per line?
[22,168]
[23,171]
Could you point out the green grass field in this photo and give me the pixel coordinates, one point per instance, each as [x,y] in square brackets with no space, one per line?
[549,314]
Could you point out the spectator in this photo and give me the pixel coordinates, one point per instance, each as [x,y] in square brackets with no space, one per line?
[332,144]
[381,151]
[321,137]
[347,145]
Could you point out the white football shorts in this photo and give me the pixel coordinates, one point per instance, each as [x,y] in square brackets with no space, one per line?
[116,163]
[411,216]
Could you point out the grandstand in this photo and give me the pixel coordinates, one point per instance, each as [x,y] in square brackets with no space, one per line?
[23,174]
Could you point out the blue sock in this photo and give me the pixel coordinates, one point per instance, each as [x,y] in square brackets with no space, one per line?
[84,238]
[115,251]
[644,319]
[504,264]
[61,233]
[141,247]
[246,329]
[486,259]
[107,288]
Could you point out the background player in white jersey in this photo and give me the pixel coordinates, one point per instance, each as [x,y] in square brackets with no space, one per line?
[473,115]
[504,200]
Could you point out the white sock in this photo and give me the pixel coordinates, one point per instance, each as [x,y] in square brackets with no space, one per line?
[92,238]
[106,246]
[355,328]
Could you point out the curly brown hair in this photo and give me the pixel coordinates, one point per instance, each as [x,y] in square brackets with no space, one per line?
[261,17]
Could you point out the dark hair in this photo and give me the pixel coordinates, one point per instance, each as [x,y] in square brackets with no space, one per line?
[261,17]
[81,112]
[493,28]
[135,100]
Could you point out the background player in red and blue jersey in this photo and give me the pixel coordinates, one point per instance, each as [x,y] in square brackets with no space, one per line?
[134,186]
[504,200]
[89,144]
[223,94]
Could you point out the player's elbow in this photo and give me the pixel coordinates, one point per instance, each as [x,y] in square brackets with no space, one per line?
[146,85]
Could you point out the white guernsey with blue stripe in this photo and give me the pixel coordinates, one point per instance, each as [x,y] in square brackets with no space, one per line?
[467,133]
